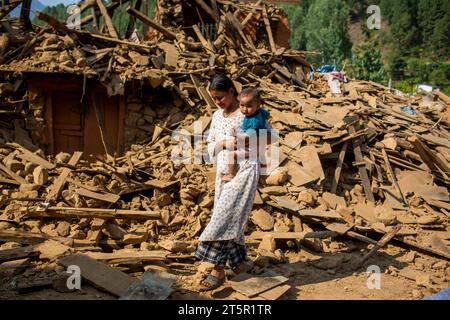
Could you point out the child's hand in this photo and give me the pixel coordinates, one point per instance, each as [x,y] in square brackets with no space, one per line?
[230,143]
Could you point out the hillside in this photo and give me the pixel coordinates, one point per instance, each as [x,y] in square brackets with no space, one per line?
[412,46]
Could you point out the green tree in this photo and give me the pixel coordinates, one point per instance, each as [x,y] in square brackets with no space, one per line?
[366,63]
[326,31]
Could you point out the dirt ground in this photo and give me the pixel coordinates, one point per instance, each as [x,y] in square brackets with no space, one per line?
[311,277]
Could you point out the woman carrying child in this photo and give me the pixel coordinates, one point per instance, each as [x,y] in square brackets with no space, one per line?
[222,240]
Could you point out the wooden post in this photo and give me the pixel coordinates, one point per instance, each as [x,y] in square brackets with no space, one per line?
[144,11]
[108,22]
[337,172]
[166,32]
[361,167]
[25,14]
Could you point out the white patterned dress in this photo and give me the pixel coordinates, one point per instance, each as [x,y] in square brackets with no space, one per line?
[233,201]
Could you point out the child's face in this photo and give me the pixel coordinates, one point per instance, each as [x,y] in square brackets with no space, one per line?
[248,105]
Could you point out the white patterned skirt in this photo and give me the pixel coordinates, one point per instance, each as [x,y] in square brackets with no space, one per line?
[233,202]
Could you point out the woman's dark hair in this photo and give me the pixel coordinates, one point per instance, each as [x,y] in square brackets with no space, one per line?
[222,83]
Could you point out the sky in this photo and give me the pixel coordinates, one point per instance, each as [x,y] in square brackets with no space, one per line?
[55,2]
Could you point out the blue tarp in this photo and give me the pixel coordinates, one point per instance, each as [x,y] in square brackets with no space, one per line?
[442,295]
[327,68]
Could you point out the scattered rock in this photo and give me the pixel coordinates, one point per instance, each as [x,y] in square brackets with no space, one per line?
[135,237]
[63,229]
[262,219]
[40,175]
[173,246]
[274,190]
[423,280]
[277,177]
[306,197]
[114,231]
[267,244]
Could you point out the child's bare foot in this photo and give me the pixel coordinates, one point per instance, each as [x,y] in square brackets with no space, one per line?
[227,178]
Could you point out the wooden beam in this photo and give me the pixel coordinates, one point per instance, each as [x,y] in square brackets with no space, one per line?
[380,244]
[111,29]
[145,13]
[208,9]
[108,197]
[202,39]
[8,181]
[13,175]
[59,183]
[362,168]
[25,14]
[337,172]
[250,14]
[6,9]
[67,212]
[166,32]
[128,43]
[99,274]
[392,174]
[32,157]
[31,238]
[268,29]
[100,123]
[17,253]
[427,155]
[259,235]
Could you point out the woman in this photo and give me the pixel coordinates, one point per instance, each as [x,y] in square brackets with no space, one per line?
[222,240]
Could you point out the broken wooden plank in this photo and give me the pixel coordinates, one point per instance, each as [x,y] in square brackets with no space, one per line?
[32,157]
[259,235]
[107,19]
[130,255]
[31,238]
[337,172]
[99,274]
[202,39]
[108,197]
[17,253]
[8,181]
[438,204]
[362,168]
[430,159]
[208,9]
[166,32]
[252,286]
[67,212]
[13,175]
[380,244]
[320,214]
[392,175]
[275,293]
[101,122]
[268,28]
[59,183]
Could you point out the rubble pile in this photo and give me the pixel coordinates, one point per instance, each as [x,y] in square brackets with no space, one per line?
[365,163]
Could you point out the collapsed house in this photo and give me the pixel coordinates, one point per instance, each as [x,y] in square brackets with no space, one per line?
[362,164]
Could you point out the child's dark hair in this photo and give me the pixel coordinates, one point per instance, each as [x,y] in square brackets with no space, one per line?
[222,83]
[251,92]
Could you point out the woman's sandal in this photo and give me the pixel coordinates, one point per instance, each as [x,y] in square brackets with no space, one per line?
[212,283]
[230,273]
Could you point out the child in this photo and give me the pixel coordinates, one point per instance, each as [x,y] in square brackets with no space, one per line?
[254,120]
